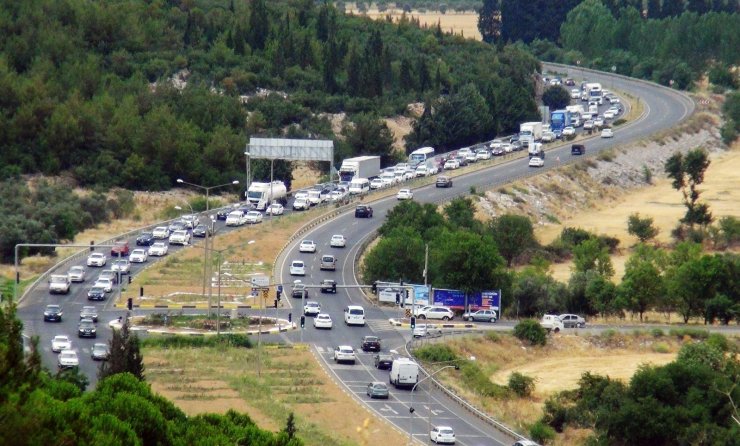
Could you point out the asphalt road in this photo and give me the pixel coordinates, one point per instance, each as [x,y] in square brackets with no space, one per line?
[664,108]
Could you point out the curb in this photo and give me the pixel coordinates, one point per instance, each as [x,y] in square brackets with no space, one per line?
[226,306]
[398,323]
[282,329]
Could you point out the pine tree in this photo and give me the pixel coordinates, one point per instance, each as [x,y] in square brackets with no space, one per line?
[489,20]
[672,8]
[698,6]
[424,79]
[354,72]
[125,355]
[330,65]
[258,25]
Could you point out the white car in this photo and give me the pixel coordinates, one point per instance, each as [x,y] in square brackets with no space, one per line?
[405,194]
[389,179]
[297,268]
[122,266]
[59,343]
[599,122]
[161,232]
[254,217]
[426,330]
[275,209]
[322,320]
[336,195]
[437,312]
[235,218]
[442,434]
[344,353]
[68,359]
[607,133]
[483,154]
[569,131]
[377,183]
[97,259]
[76,274]
[311,308]
[609,114]
[104,283]
[338,241]
[157,249]
[548,137]
[138,256]
[536,161]
[575,93]
[180,237]
[451,165]
[588,124]
[422,171]
[307,246]
[301,204]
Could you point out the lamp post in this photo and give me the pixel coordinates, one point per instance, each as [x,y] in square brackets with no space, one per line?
[411,405]
[248,167]
[205,252]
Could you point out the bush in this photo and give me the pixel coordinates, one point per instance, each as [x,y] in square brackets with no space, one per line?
[693,333]
[531,331]
[619,122]
[435,353]
[521,384]
[226,340]
[541,432]
[479,382]
[657,332]
[493,336]
[661,347]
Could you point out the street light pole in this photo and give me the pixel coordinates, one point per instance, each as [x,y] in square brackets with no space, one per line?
[411,405]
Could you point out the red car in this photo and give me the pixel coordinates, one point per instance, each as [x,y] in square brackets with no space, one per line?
[120,248]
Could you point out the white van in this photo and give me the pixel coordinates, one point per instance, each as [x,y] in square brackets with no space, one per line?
[404,373]
[359,186]
[354,315]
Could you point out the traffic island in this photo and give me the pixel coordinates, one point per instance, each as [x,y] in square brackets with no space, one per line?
[406,322]
[203,325]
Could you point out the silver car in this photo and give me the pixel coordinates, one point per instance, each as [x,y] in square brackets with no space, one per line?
[76,274]
[572,321]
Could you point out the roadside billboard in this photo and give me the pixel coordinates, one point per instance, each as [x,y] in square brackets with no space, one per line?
[455,299]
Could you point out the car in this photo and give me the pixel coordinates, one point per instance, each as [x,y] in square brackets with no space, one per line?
[443,181]
[344,353]
[307,246]
[577,149]
[480,316]
[498,151]
[138,256]
[68,359]
[191,220]
[525,443]
[222,213]
[437,312]
[120,249]
[275,209]
[161,233]
[328,286]
[536,161]
[588,124]
[254,217]
[363,211]
[235,218]
[548,137]
[575,93]
[461,161]
[377,390]
[570,82]
[96,293]
[613,100]
[201,230]
[483,154]
[59,343]
[158,249]
[245,207]
[569,131]
[442,434]
[104,282]
[609,114]
[97,259]
[599,122]
[451,164]
[322,320]
[177,225]
[405,194]
[422,170]
[53,313]
[607,133]
[336,195]
[297,268]
[180,237]
[383,361]
[100,352]
[328,262]
[572,321]
[146,238]
[370,343]
[312,308]
[109,274]
[86,329]
[76,274]
[299,289]
[377,183]
[558,134]
[338,241]
[122,266]
[89,312]
[551,322]
[301,204]
[59,284]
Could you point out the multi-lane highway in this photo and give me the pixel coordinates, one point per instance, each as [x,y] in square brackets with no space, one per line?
[663,109]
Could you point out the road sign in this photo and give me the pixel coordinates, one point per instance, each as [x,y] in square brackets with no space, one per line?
[260,281]
[264,293]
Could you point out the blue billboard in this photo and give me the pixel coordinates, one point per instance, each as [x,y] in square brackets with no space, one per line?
[455,299]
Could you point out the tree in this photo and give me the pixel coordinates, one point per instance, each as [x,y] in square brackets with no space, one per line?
[653,9]
[259,24]
[125,355]
[290,427]
[601,294]
[642,228]
[698,6]
[687,172]
[489,21]
[592,255]
[460,213]
[642,285]
[370,135]
[723,308]
[513,234]
[672,8]
[398,255]
[464,261]
[531,331]
[556,97]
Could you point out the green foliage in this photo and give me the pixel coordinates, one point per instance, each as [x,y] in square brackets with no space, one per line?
[460,213]
[642,228]
[225,340]
[125,355]
[693,333]
[657,332]
[477,381]
[513,234]
[556,97]
[521,385]
[531,331]
[592,255]
[687,172]
[399,255]
[435,353]
[731,114]
[541,432]
[369,135]
[729,227]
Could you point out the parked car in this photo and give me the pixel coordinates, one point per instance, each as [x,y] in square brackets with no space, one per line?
[405,194]
[437,312]
[254,217]
[120,249]
[97,259]
[536,161]
[370,343]
[68,359]
[59,343]
[328,286]
[377,390]
[442,434]
[89,312]
[344,353]
[363,211]
[338,241]
[443,181]
[138,256]
[383,361]
[100,352]
[572,321]
[161,233]
[275,209]
[53,313]
[145,239]
[86,329]
[307,246]
[607,133]
[481,316]
[76,274]
[297,268]
[158,249]
[322,320]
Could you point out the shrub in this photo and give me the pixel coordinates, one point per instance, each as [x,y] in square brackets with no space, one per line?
[657,332]
[226,340]
[521,384]
[493,336]
[555,413]
[531,331]
[479,382]
[693,333]
[619,122]
[719,341]
[541,432]
[661,347]
[647,174]
[435,353]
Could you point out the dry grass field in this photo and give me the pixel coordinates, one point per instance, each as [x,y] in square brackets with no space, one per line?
[463,23]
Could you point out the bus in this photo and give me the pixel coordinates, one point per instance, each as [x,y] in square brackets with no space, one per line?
[419,156]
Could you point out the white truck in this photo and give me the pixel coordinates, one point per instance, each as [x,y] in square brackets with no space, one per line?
[59,284]
[535,149]
[551,322]
[262,195]
[531,130]
[404,373]
[359,167]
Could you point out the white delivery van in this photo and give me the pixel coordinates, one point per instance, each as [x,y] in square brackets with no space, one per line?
[354,315]
[404,373]
[359,186]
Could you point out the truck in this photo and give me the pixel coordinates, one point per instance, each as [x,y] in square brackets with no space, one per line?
[560,119]
[531,130]
[262,195]
[535,149]
[404,373]
[359,167]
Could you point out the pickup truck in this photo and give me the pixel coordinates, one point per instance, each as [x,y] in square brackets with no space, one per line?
[550,322]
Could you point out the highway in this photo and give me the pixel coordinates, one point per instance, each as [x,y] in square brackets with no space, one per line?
[663,109]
